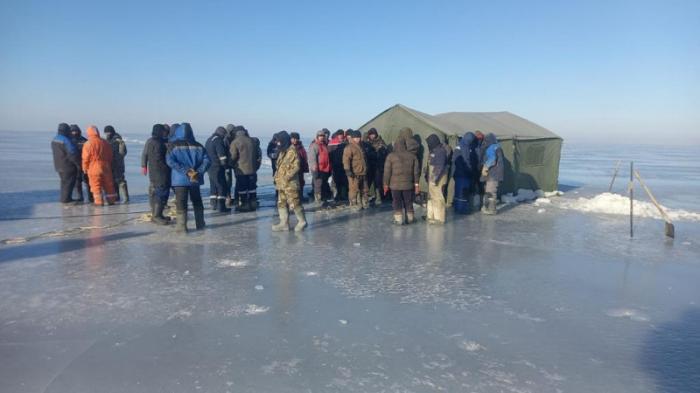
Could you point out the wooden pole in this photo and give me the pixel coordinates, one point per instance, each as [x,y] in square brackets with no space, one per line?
[631,189]
[617,168]
[670,230]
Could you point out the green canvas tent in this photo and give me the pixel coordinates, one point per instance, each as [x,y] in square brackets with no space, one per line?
[531,152]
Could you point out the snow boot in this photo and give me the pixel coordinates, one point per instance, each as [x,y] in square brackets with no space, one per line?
[229,202]
[365,202]
[318,202]
[157,215]
[253,199]
[222,206]
[410,218]
[199,219]
[124,191]
[242,204]
[213,202]
[301,217]
[283,226]
[489,206]
[398,218]
[181,221]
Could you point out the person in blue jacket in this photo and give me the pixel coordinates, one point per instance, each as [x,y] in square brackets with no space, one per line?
[66,162]
[466,172]
[491,172]
[189,162]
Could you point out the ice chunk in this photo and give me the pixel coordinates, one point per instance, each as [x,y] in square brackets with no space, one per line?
[609,203]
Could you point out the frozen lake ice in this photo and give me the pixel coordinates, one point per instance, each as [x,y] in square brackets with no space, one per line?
[540,298]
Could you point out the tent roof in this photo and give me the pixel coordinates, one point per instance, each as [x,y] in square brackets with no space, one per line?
[504,124]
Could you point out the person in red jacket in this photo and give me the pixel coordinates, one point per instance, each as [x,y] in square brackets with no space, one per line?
[320,165]
[303,161]
[97,163]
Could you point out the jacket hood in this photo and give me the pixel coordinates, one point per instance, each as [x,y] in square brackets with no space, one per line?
[92,132]
[433,141]
[75,129]
[400,145]
[490,139]
[157,131]
[465,144]
[109,130]
[220,131]
[230,127]
[256,141]
[284,139]
[406,132]
[183,132]
[63,129]
[241,132]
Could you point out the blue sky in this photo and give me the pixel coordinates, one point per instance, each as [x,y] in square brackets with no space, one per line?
[621,71]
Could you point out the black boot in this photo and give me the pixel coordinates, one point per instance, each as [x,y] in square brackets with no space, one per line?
[199,218]
[222,206]
[213,202]
[253,201]
[157,216]
[242,203]
[124,191]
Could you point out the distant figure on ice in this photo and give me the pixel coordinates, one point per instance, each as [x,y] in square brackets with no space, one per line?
[219,155]
[303,162]
[376,165]
[287,184]
[243,160]
[189,162]
[479,201]
[258,163]
[436,177]
[97,163]
[153,164]
[336,147]
[491,172]
[355,166]
[466,173]
[401,176]
[65,162]
[273,153]
[320,165]
[79,140]
[118,155]
[230,136]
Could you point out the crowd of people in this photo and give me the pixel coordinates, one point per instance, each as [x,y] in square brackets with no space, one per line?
[346,168]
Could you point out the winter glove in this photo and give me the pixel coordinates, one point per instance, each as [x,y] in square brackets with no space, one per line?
[484,171]
[144,170]
[386,190]
[193,175]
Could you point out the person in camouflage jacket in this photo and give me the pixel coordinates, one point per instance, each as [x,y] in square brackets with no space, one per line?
[287,184]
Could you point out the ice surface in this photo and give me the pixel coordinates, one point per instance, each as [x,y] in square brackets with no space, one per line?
[560,300]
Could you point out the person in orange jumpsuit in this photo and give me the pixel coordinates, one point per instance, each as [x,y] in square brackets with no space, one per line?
[97,163]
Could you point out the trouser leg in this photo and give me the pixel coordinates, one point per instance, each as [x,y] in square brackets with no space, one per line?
[353,183]
[181,194]
[68,179]
[436,201]
[79,185]
[213,187]
[108,184]
[197,206]
[397,202]
[96,187]
[364,191]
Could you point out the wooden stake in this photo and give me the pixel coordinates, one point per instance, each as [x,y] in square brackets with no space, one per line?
[617,168]
[669,229]
[631,190]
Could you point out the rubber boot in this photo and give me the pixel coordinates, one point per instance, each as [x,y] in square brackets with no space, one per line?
[181,221]
[199,218]
[491,208]
[489,205]
[157,216]
[410,218]
[213,202]
[253,200]
[318,202]
[283,226]
[365,202]
[378,199]
[398,218]
[301,217]
[124,191]
[242,203]
[222,206]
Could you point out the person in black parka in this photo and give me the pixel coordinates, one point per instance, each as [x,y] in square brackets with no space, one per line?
[153,164]
[65,161]
[76,136]
[219,155]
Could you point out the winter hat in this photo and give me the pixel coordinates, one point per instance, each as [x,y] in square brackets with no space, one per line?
[221,131]
[75,128]
[338,133]
[355,134]
[327,132]
[230,127]
[295,135]
[284,139]
[372,131]
[63,129]
[433,141]
[321,132]
[109,130]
